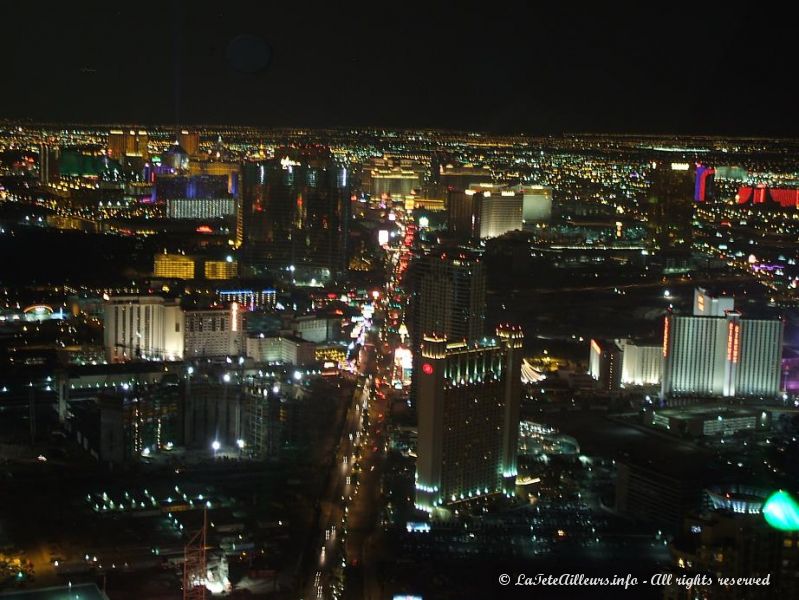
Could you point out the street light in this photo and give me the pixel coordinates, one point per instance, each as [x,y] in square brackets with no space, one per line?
[215,445]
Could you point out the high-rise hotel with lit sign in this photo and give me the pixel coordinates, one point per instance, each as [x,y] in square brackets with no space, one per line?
[468,409]
[718,352]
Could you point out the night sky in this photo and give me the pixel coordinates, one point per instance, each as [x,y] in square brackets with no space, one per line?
[493,66]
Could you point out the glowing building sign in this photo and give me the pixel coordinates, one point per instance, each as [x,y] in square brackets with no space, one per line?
[704,180]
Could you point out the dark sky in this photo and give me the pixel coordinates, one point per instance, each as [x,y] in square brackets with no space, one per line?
[661,67]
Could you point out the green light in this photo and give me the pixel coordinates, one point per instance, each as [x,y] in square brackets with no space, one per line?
[782,511]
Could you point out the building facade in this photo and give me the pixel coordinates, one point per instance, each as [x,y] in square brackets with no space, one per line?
[282,349]
[536,205]
[448,296]
[142,328]
[295,217]
[249,298]
[214,332]
[718,352]
[173,266]
[200,208]
[485,211]
[468,410]
[605,364]
[641,364]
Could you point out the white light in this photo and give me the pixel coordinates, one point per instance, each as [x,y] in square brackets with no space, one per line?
[226,377]
[240,444]
[297,375]
[229,258]
[190,370]
[215,445]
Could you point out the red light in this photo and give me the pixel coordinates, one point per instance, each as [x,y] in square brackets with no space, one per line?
[427,369]
[204,229]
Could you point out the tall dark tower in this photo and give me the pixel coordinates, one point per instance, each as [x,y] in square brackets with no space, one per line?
[468,407]
[670,205]
[49,156]
[447,298]
[295,216]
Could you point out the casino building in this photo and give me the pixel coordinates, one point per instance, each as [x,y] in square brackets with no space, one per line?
[468,410]
[717,351]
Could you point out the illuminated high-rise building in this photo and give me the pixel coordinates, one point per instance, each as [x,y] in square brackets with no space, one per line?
[49,156]
[642,364]
[128,143]
[189,141]
[295,216]
[142,328]
[173,266]
[718,352]
[200,208]
[250,299]
[392,176]
[485,211]
[460,177]
[221,269]
[214,332]
[116,143]
[605,364]
[536,205]
[468,407]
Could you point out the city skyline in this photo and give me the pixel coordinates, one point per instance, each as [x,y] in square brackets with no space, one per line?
[329,301]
